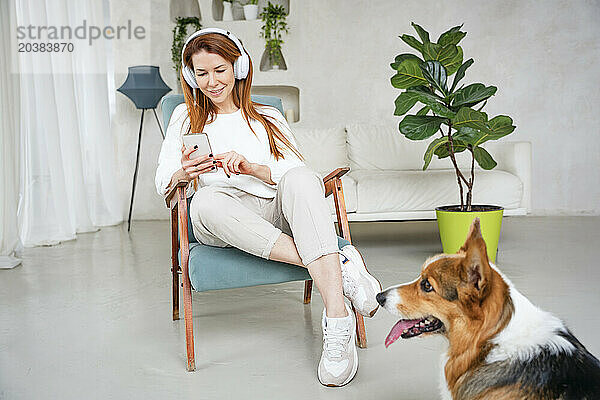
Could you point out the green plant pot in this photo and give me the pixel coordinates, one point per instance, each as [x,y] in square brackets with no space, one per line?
[454,227]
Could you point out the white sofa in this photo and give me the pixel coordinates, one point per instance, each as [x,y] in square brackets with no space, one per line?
[386,180]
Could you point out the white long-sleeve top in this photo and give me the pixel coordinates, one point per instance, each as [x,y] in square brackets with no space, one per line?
[228,132]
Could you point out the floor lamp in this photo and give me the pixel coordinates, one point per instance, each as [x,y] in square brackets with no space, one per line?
[145,87]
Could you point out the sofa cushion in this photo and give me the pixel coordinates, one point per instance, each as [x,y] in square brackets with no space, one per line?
[385,191]
[383,147]
[324,149]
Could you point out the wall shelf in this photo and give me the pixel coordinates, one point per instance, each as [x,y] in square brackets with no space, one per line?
[289,95]
[238,12]
[184,8]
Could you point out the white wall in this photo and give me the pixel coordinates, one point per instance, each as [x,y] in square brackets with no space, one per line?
[543,57]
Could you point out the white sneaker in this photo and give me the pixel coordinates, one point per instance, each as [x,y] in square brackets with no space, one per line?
[339,360]
[360,287]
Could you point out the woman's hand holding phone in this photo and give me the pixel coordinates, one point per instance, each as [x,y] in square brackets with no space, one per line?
[193,167]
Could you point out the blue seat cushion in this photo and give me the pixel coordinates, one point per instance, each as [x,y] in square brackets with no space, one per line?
[212,268]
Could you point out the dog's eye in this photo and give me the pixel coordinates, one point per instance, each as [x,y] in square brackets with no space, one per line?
[426,286]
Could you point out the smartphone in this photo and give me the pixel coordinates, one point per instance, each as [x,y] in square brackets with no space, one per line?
[200,140]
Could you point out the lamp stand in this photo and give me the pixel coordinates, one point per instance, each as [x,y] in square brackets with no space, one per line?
[159,125]
[137,161]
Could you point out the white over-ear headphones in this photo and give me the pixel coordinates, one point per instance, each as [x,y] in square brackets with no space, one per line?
[241,66]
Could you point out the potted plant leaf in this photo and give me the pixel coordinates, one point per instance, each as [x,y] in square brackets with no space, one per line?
[180,34]
[251,10]
[456,114]
[274,24]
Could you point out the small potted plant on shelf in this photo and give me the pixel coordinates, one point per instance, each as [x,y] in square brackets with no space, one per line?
[227,10]
[251,10]
[450,111]
[180,33]
[274,19]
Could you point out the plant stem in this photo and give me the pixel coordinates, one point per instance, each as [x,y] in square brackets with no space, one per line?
[470,185]
[459,174]
[462,204]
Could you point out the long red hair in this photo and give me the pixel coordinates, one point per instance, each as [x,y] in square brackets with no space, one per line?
[203,111]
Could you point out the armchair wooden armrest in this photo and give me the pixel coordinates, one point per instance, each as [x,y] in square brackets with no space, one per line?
[334,179]
[333,184]
[170,198]
[336,173]
[180,178]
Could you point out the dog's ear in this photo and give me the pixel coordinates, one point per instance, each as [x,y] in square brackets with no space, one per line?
[477,270]
[473,237]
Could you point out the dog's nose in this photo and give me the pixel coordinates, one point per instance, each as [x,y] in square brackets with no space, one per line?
[381,299]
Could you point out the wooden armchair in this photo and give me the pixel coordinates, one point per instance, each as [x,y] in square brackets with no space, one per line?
[210,268]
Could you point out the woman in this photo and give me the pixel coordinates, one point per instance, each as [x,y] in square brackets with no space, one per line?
[255,192]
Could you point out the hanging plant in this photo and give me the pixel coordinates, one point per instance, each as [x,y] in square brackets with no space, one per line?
[274,19]
[180,34]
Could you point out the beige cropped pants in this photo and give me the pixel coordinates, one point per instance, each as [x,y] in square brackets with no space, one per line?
[226,216]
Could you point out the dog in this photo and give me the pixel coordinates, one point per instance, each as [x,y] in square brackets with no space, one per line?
[500,346]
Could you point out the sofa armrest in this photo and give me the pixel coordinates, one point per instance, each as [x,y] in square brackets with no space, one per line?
[515,157]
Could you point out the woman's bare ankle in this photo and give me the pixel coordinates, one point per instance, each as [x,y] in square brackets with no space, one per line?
[336,312]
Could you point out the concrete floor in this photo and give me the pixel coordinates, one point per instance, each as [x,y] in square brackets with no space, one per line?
[91,318]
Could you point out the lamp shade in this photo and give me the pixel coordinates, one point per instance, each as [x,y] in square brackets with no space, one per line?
[144,86]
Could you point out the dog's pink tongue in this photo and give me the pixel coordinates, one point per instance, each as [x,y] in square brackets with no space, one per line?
[397,330]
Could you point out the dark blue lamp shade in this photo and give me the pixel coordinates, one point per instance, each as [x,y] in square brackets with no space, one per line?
[144,86]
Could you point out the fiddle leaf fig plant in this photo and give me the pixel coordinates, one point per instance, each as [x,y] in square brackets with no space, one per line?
[446,109]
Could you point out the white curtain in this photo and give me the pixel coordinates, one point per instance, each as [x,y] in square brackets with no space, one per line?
[67,167]
[9,103]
